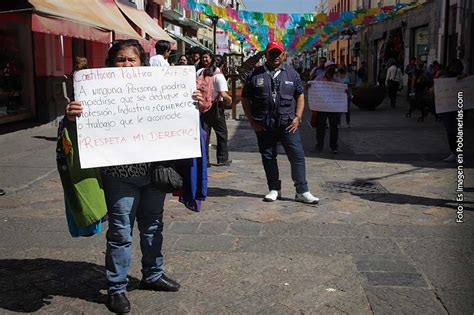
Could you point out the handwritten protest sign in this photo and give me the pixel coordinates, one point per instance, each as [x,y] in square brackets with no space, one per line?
[446,93]
[324,96]
[136,115]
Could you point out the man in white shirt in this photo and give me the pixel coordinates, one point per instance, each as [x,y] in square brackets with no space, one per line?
[393,81]
[163,49]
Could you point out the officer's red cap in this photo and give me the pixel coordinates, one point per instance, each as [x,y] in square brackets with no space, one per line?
[275,45]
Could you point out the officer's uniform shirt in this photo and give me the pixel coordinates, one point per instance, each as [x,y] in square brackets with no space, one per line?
[277,105]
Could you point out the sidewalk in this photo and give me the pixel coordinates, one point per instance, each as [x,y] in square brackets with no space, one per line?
[383,239]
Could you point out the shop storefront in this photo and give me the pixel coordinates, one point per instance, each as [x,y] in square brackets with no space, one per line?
[39,40]
[410,34]
[16,69]
[421,43]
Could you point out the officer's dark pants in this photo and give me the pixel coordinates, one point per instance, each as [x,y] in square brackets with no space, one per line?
[321,129]
[267,144]
[215,119]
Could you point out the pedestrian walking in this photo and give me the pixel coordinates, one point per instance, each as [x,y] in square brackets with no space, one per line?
[273,102]
[129,196]
[393,81]
[420,97]
[344,77]
[163,50]
[332,117]
[214,118]
[410,71]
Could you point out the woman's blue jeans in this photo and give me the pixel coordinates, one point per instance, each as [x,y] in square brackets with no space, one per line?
[127,199]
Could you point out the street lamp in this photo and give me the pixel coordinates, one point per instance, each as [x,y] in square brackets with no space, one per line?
[213,20]
[241,40]
[347,35]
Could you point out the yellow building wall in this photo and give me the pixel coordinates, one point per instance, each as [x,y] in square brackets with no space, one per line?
[339,50]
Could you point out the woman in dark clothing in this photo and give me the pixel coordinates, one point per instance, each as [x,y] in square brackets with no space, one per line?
[130,196]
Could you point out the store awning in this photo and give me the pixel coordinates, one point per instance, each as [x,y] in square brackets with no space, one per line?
[50,25]
[173,16]
[88,19]
[188,40]
[145,22]
[377,35]
[198,44]
[183,39]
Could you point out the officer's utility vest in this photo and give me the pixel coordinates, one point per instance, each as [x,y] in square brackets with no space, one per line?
[265,110]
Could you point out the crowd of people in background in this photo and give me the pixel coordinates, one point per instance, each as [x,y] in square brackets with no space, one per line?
[419,92]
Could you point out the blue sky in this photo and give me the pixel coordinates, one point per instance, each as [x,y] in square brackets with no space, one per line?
[281,6]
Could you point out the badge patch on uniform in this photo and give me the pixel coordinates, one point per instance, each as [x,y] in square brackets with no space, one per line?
[260,81]
[289,83]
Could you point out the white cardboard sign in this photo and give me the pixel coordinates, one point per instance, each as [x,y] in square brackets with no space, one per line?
[325,96]
[446,93]
[136,115]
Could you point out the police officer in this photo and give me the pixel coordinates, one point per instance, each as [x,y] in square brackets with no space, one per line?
[273,102]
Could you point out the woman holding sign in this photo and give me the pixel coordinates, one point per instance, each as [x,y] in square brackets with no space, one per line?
[130,195]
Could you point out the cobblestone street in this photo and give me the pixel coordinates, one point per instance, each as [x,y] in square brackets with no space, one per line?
[383,240]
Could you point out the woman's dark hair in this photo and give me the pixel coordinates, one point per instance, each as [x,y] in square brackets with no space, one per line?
[218,60]
[119,45]
[209,71]
[80,63]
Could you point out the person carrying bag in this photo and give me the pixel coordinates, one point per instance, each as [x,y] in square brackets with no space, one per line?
[212,84]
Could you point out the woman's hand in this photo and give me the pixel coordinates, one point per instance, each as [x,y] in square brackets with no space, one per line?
[197,96]
[73,110]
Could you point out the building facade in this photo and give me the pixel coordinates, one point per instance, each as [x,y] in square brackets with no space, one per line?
[40,40]
[456,29]
[409,34]
[188,29]
[340,50]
